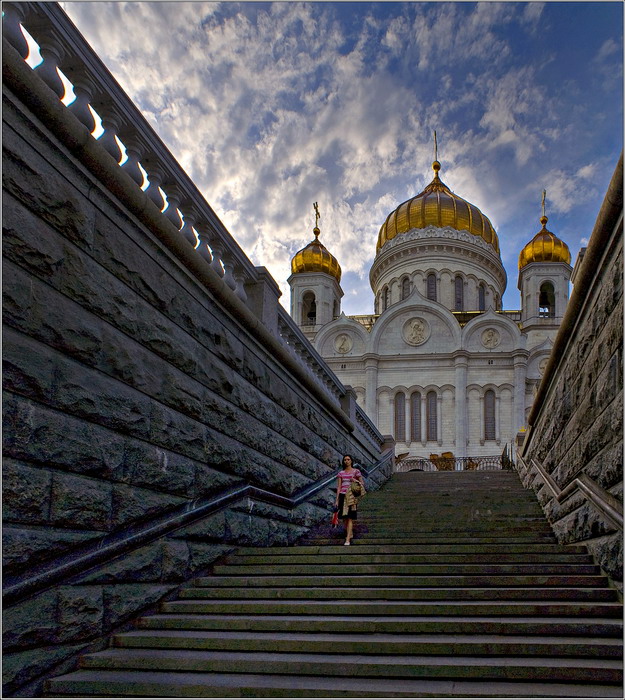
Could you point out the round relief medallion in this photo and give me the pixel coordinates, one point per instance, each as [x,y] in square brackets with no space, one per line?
[416,331]
[343,343]
[490,338]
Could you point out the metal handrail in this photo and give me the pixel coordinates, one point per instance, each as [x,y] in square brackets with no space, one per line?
[609,506]
[122,542]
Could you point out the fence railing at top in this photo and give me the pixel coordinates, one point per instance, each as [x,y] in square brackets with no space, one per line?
[450,464]
[148,162]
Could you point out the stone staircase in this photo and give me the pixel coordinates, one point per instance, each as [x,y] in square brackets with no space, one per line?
[454,586]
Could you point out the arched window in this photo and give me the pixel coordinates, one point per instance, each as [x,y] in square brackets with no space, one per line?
[400,417]
[431,417]
[546,301]
[431,286]
[489,415]
[458,293]
[405,288]
[335,311]
[415,416]
[309,309]
[386,298]
[481,297]
[497,302]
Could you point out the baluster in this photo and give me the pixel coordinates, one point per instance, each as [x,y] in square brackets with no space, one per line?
[133,151]
[110,124]
[155,178]
[187,227]
[202,248]
[52,54]
[83,89]
[228,264]
[13,16]
[217,248]
[239,278]
[173,198]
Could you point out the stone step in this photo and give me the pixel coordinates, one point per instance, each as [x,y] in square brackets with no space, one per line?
[427,538]
[349,643]
[594,670]
[541,625]
[363,548]
[445,580]
[388,608]
[347,556]
[105,683]
[404,569]
[385,593]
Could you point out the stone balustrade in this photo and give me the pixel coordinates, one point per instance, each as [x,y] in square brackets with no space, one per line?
[152,167]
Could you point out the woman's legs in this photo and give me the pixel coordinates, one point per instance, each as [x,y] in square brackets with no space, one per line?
[350,530]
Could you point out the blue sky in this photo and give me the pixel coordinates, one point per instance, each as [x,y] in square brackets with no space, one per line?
[272,106]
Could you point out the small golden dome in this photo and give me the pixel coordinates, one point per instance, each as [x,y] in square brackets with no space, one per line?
[315,257]
[545,247]
[437,206]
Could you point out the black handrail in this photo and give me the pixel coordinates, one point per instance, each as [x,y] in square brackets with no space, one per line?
[121,542]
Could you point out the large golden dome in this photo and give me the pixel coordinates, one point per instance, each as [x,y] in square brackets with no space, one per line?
[437,206]
[315,257]
[545,247]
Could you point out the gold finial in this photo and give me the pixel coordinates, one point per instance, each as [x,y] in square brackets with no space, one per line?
[436,166]
[317,217]
[543,218]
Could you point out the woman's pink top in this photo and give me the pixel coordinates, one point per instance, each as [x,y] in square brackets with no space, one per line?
[346,479]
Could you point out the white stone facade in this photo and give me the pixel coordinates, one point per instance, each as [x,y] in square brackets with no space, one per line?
[467,370]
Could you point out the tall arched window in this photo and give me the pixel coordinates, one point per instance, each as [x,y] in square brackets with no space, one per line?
[415,416]
[489,415]
[458,293]
[386,298]
[546,301]
[481,297]
[400,417]
[497,302]
[431,417]
[405,288]
[431,286]
[309,309]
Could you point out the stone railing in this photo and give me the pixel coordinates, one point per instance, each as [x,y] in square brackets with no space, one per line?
[105,110]
[149,163]
[450,464]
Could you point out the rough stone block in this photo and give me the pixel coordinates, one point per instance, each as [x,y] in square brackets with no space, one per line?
[136,504]
[80,502]
[608,553]
[31,623]
[28,368]
[211,528]
[245,529]
[152,467]
[124,602]
[176,558]
[22,547]
[80,613]
[142,564]
[21,667]
[25,492]
[202,555]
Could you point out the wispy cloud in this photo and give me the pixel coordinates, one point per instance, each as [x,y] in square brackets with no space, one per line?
[270,107]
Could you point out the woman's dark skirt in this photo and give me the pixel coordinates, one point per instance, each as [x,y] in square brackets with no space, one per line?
[352,513]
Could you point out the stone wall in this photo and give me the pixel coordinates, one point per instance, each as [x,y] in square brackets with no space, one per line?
[132,396]
[576,422]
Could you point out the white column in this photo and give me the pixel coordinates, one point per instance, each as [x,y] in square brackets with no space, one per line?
[371,388]
[498,418]
[407,419]
[424,425]
[461,364]
[439,418]
[482,431]
[518,414]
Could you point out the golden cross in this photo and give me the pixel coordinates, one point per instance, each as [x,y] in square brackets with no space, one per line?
[317,214]
[544,196]
[435,147]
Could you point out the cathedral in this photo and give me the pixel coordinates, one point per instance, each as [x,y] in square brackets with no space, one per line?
[440,365]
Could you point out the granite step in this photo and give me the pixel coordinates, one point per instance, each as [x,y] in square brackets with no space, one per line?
[106,683]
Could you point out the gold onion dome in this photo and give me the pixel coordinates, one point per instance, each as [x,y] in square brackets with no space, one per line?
[437,206]
[315,257]
[545,247]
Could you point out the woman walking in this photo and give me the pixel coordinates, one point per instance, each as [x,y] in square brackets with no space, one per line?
[344,500]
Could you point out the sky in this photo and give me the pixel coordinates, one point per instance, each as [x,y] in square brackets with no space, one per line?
[270,107]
